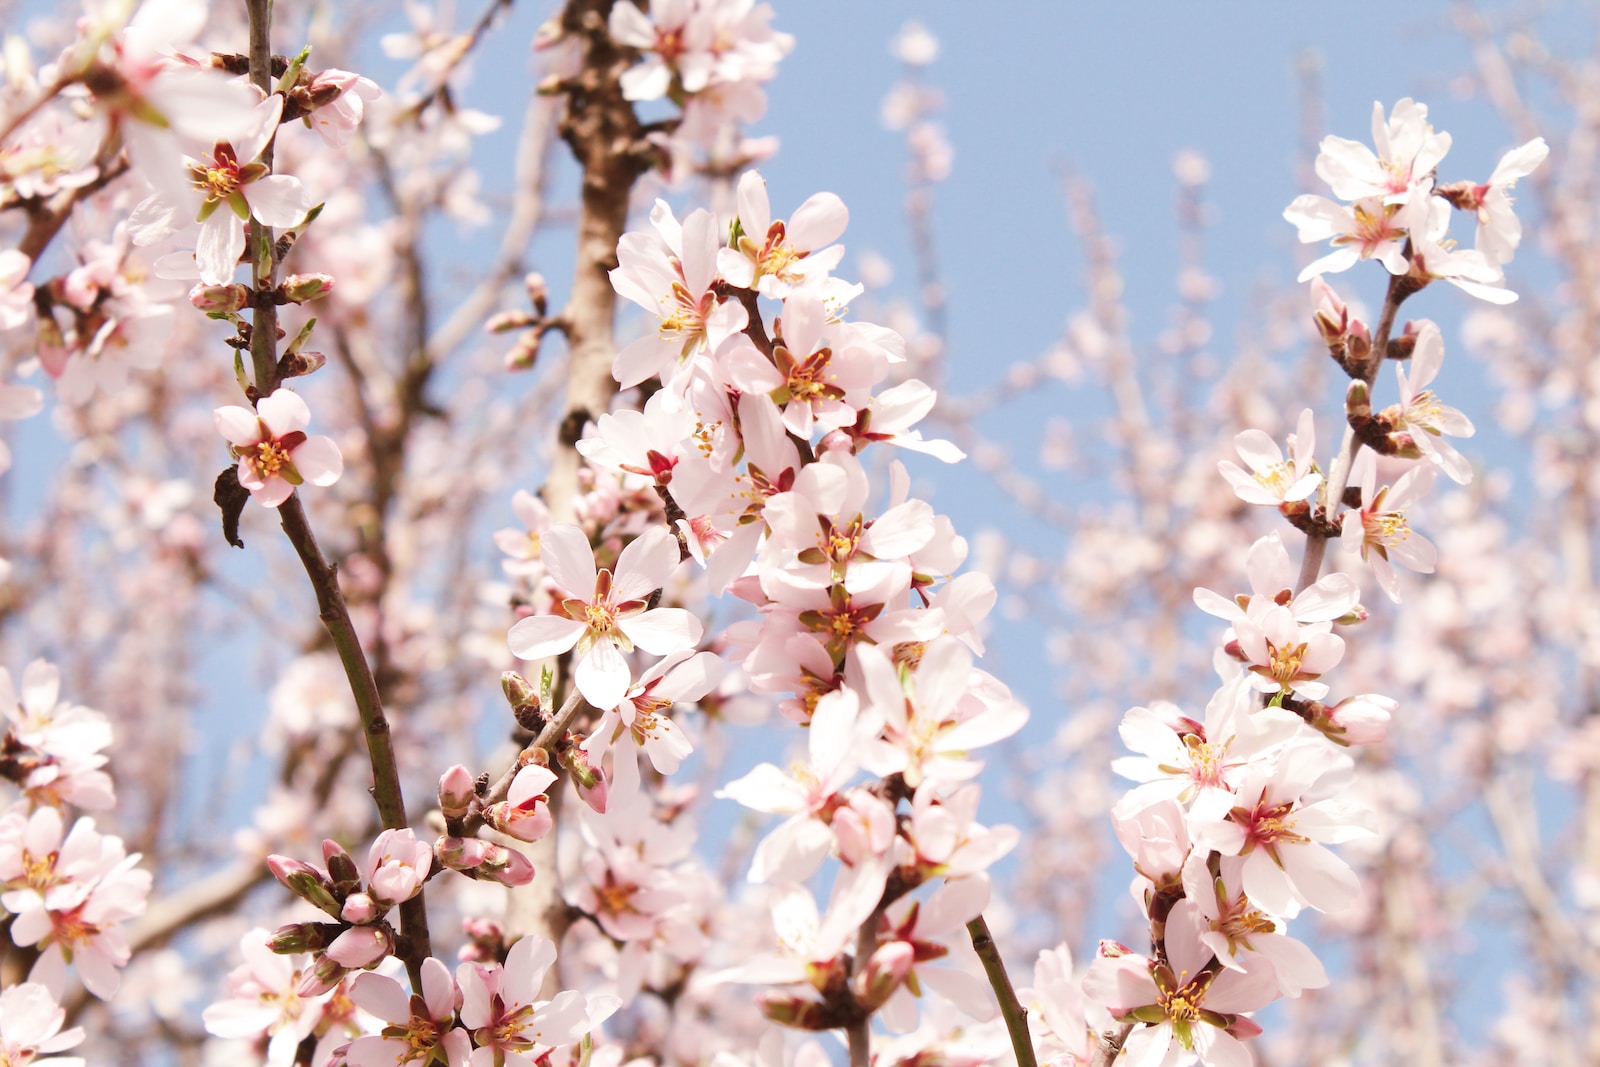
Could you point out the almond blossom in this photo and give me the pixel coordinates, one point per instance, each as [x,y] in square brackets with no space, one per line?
[1420,414]
[510,1024]
[30,1028]
[1272,480]
[671,274]
[775,257]
[1407,151]
[420,1027]
[1184,1000]
[232,186]
[1378,529]
[1279,820]
[275,455]
[614,618]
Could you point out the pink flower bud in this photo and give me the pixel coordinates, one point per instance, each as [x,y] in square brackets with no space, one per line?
[1358,720]
[506,866]
[305,882]
[303,288]
[359,908]
[397,865]
[341,868]
[587,777]
[322,976]
[886,969]
[508,320]
[219,299]
[361,947]
[456,792]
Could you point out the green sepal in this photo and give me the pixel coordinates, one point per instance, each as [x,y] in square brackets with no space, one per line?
[301,338]
[291,76]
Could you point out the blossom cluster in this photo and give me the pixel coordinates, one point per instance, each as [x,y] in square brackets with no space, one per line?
[66,891]
[1229,826]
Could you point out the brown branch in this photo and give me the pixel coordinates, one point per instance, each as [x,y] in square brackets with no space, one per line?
[1015,1015]
[335,614]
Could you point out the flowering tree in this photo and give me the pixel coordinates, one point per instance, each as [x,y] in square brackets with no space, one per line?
[723,528]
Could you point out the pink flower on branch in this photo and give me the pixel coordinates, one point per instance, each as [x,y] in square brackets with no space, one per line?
[613,619]
[274,453]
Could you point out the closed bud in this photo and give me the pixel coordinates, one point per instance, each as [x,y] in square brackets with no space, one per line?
[360,908]
[362,948]
[302,288]
[323,976]
[509,320]
[587,777]
[305,882]
[798,1012]
[525,353]
[219,299]
[456,791]
[538,291]
[886,969]
[297,937]
[299,364]
[342,870]
[1358,402]
[506,866]
[1357,720]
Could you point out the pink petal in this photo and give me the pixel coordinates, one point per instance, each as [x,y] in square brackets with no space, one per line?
[284,412]
[818,221]
[662,631]
[540,636]
[568,557]
[602,675]
[318,460]
[239,426]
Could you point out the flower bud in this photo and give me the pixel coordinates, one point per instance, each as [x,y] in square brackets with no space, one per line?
[305,882]
[1357,720]
[509,320]
[323,976]
[506,866]
[397,865]
[885,970]
[299,364]
[456,792]
[538,291]
[524,701]
[360,908]
[798,1012]
[220,299]
[302,288]
[361,948]
[297,937]
[524,355]
[342,870]
[590,782]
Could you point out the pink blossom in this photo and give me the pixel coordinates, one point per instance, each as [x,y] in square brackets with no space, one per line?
[613,619]
[1272,480]
[264,999]
[420,1027]
[30,1028]
[1407,152]
[1378,529]
[397,865]
[511,1026]
[232,187]
[275,455]
[775,257]
[1182,1000]
[1421,414]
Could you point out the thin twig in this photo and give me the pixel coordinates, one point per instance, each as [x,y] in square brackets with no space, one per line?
[1011,1009]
